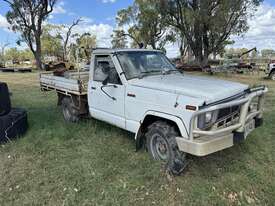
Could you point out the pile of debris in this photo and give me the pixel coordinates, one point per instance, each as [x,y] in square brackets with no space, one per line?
[13,121]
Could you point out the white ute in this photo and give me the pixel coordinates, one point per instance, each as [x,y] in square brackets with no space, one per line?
[171,113]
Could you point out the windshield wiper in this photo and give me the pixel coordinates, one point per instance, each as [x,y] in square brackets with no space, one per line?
[143,74]
[170,70]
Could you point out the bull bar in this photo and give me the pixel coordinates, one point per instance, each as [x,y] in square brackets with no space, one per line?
[214,140]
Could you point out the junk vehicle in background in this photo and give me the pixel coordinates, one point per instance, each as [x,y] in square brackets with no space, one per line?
[173,114]
[235,63]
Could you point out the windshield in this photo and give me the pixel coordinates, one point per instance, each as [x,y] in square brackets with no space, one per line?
[137,64]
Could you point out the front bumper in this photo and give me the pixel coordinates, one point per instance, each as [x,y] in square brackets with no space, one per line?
[201,143]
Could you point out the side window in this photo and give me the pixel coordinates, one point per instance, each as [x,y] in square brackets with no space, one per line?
[104,67]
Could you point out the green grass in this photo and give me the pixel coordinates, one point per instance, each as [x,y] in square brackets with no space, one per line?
[93,163]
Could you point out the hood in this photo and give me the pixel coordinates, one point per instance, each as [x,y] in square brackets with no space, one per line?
[206,88]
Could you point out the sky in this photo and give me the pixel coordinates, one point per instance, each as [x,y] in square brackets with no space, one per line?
[99,19]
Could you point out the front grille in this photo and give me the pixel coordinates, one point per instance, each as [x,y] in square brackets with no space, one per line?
[229,111]
[228,116]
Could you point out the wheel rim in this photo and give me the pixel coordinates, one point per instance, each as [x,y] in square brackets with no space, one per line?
[159,147]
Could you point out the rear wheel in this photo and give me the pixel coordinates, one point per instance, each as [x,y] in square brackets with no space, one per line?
[162,145]
[272,75]
[70,113]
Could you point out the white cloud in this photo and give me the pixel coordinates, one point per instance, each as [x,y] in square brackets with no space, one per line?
[262,30]
[3,22]
[87,20]
[59,8]
[101,31]
[108,1]
[111,18]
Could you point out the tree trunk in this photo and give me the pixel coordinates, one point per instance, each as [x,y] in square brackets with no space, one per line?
[64,55]
[37,53]
[205,59]
[38,60]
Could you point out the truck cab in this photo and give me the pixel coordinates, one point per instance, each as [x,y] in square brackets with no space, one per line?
[171,113]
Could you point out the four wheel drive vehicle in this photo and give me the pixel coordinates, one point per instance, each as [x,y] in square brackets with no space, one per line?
[172,113]
[13,121]
[270,71]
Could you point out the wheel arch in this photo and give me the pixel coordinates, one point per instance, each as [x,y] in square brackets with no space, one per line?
[152,116]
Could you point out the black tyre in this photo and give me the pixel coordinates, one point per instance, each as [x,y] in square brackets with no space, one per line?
[272,75]
[5,123]
[5,103]
[70,113]
[161,144]
[13,125]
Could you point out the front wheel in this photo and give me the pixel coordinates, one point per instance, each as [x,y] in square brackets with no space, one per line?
[70,113]
[162,145]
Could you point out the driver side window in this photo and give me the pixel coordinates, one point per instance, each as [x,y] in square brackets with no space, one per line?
[105,68]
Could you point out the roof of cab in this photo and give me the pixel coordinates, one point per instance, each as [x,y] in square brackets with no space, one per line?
[110,51]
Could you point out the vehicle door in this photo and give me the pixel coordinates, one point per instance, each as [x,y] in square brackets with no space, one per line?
[106,102]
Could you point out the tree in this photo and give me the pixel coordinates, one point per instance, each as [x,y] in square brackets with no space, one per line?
[56,39]
[67,36]
[51,41]
[145,24]
[12,54]
[254,54]
[207,24]
[268,53]
[82,47]
[119,39]
[26,17]
[26,54]
[2,52]
[85,43]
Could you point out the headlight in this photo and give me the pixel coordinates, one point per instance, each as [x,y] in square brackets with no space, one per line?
[207,119]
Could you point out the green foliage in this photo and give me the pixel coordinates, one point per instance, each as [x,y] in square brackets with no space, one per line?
[238,53]
[83,46]
[86,42]
[145,24]
[51,41]
[119,39]
[268,53]
[254,54]
[207,24]
[13,54]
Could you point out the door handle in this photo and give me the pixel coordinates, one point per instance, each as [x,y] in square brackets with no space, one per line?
[93,88]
